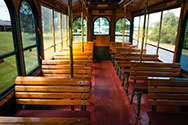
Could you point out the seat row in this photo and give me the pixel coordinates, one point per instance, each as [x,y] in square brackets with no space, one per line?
[137,73]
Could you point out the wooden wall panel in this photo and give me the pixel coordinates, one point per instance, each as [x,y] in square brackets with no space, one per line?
[102,40]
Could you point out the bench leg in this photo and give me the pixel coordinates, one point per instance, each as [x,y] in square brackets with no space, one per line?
[150,122]
[127,84]
[115,64]
[119,69]
[138,95]
[132,96]
[123,80]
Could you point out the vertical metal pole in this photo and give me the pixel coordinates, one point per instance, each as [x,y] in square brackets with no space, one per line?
[53,30]
[143,32]
[159,36]
[138,31]
[82,15]
[147,32]
[70,36]
[61,31]
[124,26]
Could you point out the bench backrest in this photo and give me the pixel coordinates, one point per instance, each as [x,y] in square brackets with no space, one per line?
[52,91]
[167,91]
[61,68]
[128,57]
[119,48]
[143,70]
[58,57]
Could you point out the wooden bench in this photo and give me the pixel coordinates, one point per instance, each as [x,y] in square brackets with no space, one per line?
[140,71]
[167,92]
[61,68]
[125,63]
[123,50]
[50,91]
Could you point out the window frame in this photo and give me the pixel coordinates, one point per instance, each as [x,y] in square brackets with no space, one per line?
[38,44]
[181,41]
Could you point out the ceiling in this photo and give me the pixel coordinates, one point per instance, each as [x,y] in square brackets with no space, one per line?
[135,6]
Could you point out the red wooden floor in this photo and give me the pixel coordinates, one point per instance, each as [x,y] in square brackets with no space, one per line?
[111,106]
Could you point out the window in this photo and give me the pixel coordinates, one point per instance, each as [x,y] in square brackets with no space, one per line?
[136,28]
[47,32]
[64,31]
[169,29]
[29,39]
[153,32]
[101,26]
[184,53]
[77,29]
[119,30]
[57,28]
[168,34]
[8,67]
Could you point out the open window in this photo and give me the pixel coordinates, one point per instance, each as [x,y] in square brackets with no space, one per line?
[101,26]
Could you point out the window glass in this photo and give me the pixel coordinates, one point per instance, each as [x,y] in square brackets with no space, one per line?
[31,60]
[135,32]
[48,54]
[101,26]
[119,30]
[6,39]
[67,30]
[169,28]
[27,22]
[64,26]
[47,27]
[153,30]
[57,27]
[8,66]
[77,29]
[8,72]
[184,54]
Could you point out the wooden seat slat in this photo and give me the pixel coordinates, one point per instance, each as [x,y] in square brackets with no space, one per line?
[48,95]
[168,102]
[65,67]
[43,121]
[167,96]
[52,88]
[154,64]
[51,102]
[21,80]
[168,90]
[65,71]
[150,74]
[59,62]
[165,69]
[67,76]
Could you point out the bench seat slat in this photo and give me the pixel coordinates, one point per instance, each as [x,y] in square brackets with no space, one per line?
[168,102]
[51,95]
[83,76]
[168,96]
[65,71]
[168,89]
[52,88]
[43,121]
[65,67]
[149,73]
[51,102]
[154,64]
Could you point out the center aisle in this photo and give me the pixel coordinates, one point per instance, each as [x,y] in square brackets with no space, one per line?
[109,108]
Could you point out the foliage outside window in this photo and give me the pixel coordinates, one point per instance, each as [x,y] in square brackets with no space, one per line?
[168,36]
[77,29]
[184,53]
[28,31]
[47,32]
[119,30]
[101,26]
[8,70]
